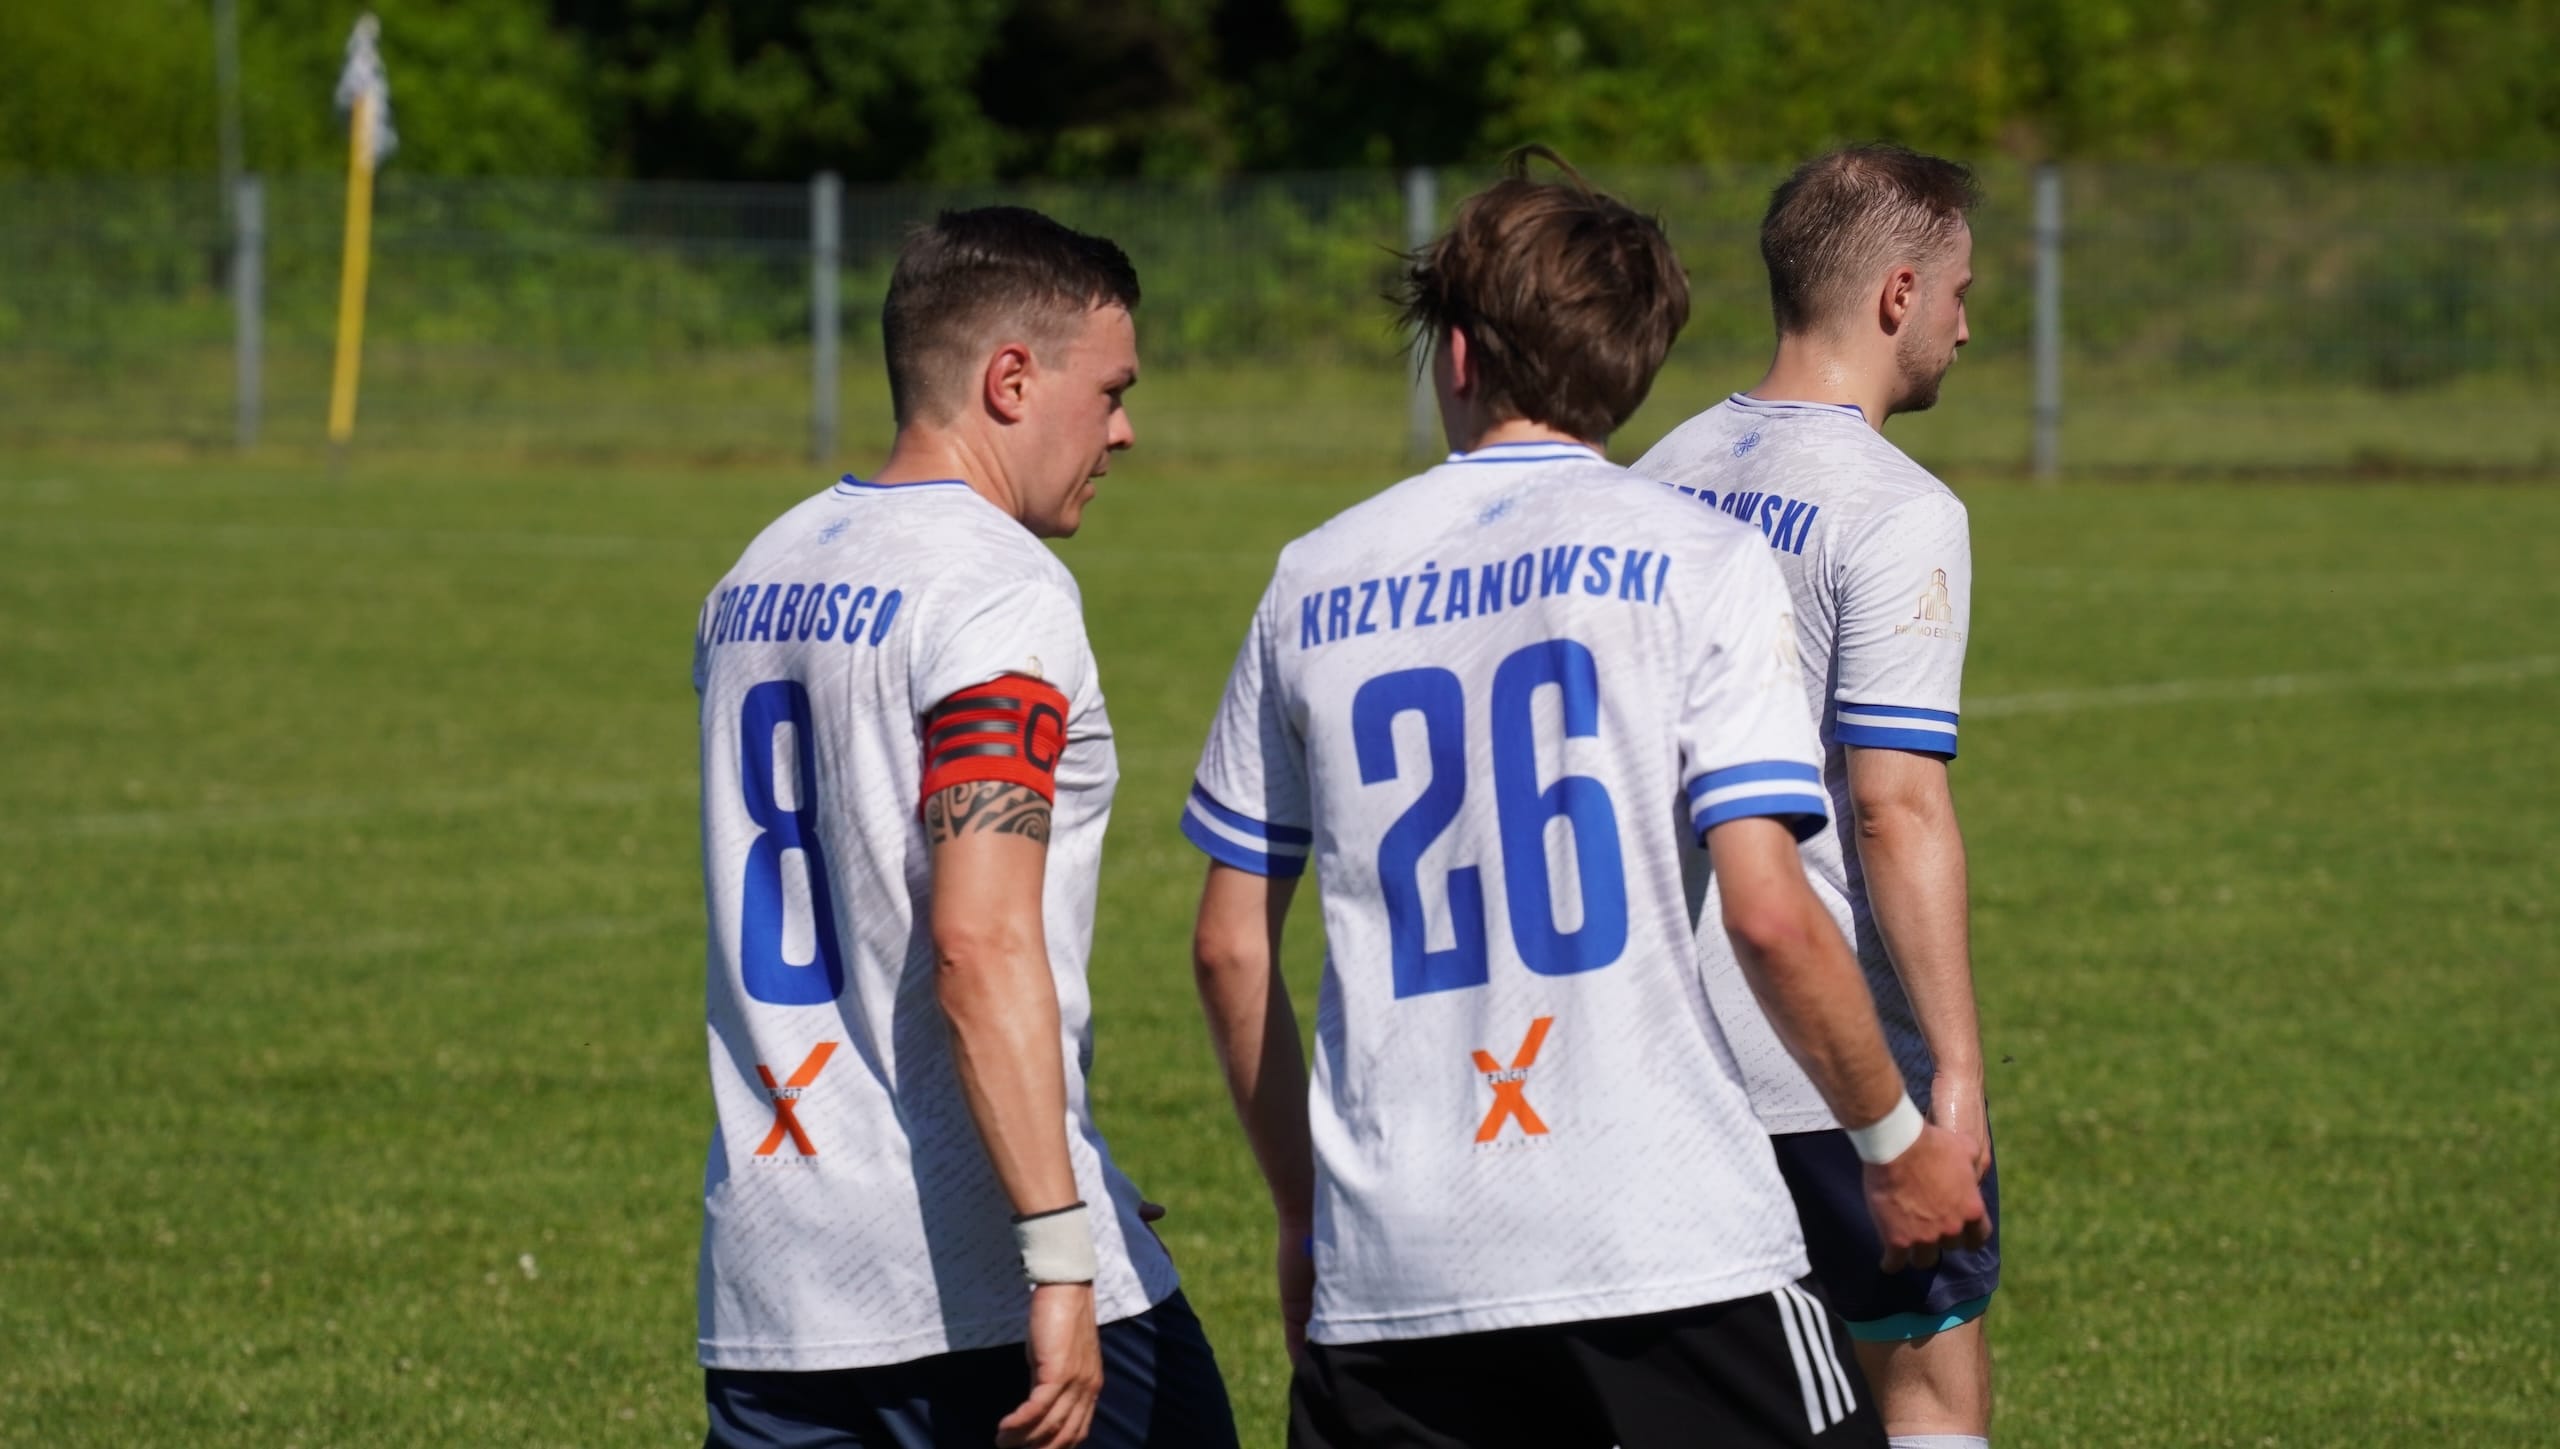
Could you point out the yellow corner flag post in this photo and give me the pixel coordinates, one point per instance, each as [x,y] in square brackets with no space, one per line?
[366,93]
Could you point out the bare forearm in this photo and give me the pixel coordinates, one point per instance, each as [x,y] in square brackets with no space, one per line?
[1911,852]
[1814,996]
[1003,1010]
[1807,983]
[1254,1027]
[991,961]
[1258,1045]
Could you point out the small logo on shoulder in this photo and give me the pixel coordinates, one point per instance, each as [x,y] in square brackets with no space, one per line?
[834,530]
[1499,510]
[1746,443]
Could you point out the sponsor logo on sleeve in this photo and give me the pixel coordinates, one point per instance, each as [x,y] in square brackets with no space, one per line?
[1934,617]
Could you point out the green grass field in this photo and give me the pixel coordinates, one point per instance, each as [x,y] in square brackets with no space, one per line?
[351,1067]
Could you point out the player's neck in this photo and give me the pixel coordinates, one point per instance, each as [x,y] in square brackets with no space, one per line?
[1812,369]
[1521,430]
[932,455]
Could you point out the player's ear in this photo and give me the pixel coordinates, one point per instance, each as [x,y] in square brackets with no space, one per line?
[1900,295]
[1457,355]
[1005,386]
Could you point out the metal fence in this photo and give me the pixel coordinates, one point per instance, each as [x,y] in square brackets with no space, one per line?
[2223,320]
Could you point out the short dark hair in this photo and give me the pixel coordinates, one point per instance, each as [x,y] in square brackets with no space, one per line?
[1840,217]
[971,272]
[1569,298]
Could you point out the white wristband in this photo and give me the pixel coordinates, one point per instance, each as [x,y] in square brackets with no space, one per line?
[1057,1247]
[1890,1137]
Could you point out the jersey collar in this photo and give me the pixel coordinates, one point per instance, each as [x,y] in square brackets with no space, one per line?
[1763,405]
[850,485]
[1526,453]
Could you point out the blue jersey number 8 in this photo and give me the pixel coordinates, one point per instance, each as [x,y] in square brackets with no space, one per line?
[1523,812]
[767,976]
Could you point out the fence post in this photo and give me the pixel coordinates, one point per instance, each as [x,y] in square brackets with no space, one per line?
[826,246]
[248,285]
[1422,410]
[2048,344]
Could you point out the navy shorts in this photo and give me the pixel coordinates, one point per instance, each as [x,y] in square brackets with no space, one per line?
[1160,1390]
[1824,1174]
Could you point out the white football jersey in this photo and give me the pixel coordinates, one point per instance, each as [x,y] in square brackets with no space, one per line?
[850,1215]
[1879,565]
[1494,704]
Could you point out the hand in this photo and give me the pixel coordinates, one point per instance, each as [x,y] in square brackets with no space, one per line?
[1956,1103]
[1066,1371]
[1297,1265]
[1927,1200]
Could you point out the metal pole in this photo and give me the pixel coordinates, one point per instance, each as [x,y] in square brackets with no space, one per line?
[248,285]
[826,247]
[226,90]
[1423,438]
[2048,423]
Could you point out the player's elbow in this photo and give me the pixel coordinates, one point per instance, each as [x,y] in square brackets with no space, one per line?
[1774,924]
[1902,805]
[1219,953]
[1889,815]
[970,955]
[1237,931]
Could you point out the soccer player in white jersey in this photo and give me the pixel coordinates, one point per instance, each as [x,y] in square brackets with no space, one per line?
[1869,256]
[1497,706]
[913,1234]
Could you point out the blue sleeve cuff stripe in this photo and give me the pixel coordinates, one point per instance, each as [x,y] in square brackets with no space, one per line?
[1227,851]
[1803,815]
[1276,834]
[1899,711]
[1753,773]
[1873,737]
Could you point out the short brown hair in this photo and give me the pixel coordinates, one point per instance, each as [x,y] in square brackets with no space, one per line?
[1839,218]
[973,271]
[1570,299]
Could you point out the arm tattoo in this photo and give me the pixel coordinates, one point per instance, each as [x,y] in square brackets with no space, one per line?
[986,806]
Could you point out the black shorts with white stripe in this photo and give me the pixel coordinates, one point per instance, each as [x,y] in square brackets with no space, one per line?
[1772,1370]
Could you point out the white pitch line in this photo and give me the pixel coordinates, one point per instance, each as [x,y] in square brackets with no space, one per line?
[401,540]
[2290,584]
[127,823]
[2262,686]
[107,824]
[251,536]
[398,943]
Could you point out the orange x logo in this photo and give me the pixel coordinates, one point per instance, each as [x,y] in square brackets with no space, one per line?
[1510,1088]
[786,1101]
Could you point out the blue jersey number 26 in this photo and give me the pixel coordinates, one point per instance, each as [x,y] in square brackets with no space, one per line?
[1522,809]
[767,975]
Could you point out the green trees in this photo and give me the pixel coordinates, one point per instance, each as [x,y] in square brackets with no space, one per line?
[478,87]
[962,90]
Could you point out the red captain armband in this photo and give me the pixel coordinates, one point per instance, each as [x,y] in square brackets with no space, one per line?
[1010,729]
